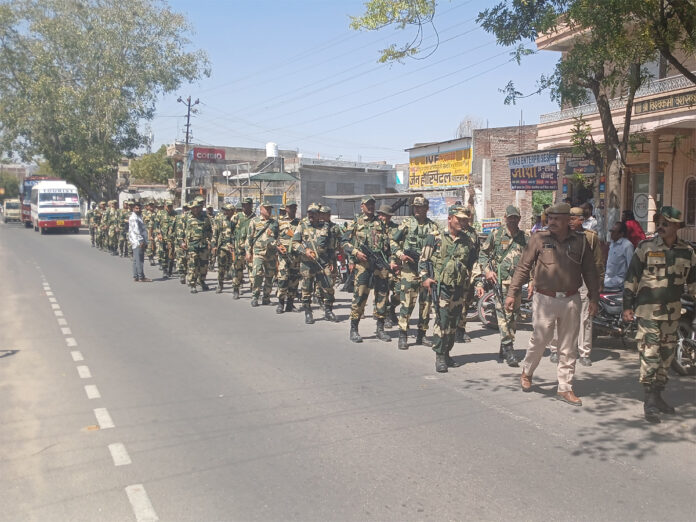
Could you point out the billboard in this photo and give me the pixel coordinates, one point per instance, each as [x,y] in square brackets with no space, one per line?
[204,154]
[534,171]
[440,170]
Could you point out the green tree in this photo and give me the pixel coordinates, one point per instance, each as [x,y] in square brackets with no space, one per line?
[539,199]
[10,184]
[153,168]
[78,76]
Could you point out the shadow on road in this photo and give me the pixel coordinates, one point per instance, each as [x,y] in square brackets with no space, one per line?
[7,353]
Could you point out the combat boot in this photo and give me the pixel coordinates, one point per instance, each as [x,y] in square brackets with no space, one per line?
[354,335]
[440,363]
[391,320]
[255,302]
[649,405]
[501,354]
[328,313]
[308,317]
[281,306]
[182,280]
[509,353]
[289,307]
[403,340]
[451,363]
[421,339]
[266,301]
[660,402]
[461,336]
[218,290]
[204,286]
[193,290]
[380,333]
[235,292]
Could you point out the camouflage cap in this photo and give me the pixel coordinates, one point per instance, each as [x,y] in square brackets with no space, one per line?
[457,211]
[420,201]
[94,204]
[238,206]
[385,209]
[229,206]
[325,209]
[313,207]
[577,212]
[367,199]
[267,203]
[512,210]
[558,208]
[290,203]
[247,200]
[198,202]
[102,202]
[671,214]
[169,202]
[468,212]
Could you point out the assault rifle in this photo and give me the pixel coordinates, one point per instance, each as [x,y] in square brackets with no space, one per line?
[498,291]
[434,291]
[317,261]
[376,260]
[413,254]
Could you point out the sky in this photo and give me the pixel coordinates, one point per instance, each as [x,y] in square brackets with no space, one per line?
[292,72]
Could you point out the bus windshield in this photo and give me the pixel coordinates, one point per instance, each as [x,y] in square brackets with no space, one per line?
[58,198]
[12,205]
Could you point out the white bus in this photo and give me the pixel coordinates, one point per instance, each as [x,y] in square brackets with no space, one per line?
[55,204]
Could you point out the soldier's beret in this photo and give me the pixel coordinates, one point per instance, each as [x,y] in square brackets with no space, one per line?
[385,209]
[577,211]
[558,208]
[420,201]
[671,214]
[247,200]
[457,211]
[367,199]
[324,209]
[512,210]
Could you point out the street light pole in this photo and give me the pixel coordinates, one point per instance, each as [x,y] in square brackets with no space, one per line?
[184,173]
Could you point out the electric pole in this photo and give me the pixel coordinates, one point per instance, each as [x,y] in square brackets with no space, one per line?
[184,173]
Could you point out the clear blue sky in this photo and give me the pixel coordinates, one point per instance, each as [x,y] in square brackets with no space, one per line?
[294,73]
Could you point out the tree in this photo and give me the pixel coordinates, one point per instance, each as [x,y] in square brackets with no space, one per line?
[77,78]
[153,168]
[10,184]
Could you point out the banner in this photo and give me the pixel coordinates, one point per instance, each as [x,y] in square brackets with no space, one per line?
[443,170]
[488,225]
[534,172]
[202,154]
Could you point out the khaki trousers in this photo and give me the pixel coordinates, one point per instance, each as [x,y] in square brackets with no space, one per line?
[563,314]
[585,331]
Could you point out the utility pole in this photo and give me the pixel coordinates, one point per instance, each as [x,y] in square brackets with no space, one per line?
[184,173]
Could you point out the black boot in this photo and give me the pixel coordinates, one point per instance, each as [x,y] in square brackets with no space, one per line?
[354,335]
[451,363]
[403,340]
[421,339]
[381,335]
[328,313]
[660,402]
[510,358]
[391,320]
[218,290]
[440,363]
[461,336]
[281,306]
[266,301]
[289,306]
[501,354]
[204,286]
[193,290]
[255,302]
[182,280]
[308,317]
[235,293]
[649,406]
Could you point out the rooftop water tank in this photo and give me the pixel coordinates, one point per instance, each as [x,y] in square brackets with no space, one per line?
[271,150]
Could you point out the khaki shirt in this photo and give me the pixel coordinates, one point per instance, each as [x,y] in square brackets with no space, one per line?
[559,266]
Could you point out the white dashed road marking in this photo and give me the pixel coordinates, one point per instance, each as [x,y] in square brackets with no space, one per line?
[62,322]
[77,356]
[119,454]
[66,331]
[142,507]
[52,300]
[58,313]
[92,392]
[84,372]
[103,418]
[70,341]
[55,306]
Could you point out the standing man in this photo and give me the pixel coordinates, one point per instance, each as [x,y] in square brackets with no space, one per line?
[179,237]
[589,222]
[385,214]
[165,236]
[369,233]
[149,220]
[620,255]
[210,212]
[461,336]
[288,264]
[223,241]
[407,243]
[561,260]
[445,266]
[659,269]
[123,223]
[634,232]
[91,215]
[241,224]
[99,216]
[137,235]
[499,256]
[197,235]
[113,226]
[261,241]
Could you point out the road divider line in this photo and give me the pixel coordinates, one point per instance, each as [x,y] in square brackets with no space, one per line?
[77,356]
[55,306]
[70,341]
[83,372]
[66,330]
[62,322]
[58,313]
[103,418]
[92,391]
[49,293]
[140,502]
[52,300]
[119,454]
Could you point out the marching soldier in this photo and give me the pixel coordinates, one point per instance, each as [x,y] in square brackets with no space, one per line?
[461,336]
[498,258]
[197,236]
[113,227]
[261,241]
[288,264]
[166,237]
[385,214]
[445,265]
[241,223]
[406,245]
[148,219]
[179,236]
[98,221]
[313,243]
[91,213]
[655,280]
[223,239]
[368,234]
[210,212]
[123,217]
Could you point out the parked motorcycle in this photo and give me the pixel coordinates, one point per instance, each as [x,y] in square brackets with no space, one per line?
[486,308]
[608,320]
[684,362]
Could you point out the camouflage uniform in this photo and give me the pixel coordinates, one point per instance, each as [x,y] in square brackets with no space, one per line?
[168,239]
[90,224]
[214,220]
[197,236]
[261,240]
[123,217]
[411,236]
[461,335]
[241,221]
[452,260]
[288,264]
[223,239]
[393,295]
[179,233]
[148,219]
[98,220]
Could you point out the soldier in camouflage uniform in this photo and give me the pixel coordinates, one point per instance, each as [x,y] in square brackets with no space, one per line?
[261,244]
[406,245]
[166,238]
[384,213]
[179,235]
[98,218]
[123,217]
[335,234]
[223,239]
[241,222]
[368,231]
[91,224]
[148,219]
[655,281]
[288,263]
[461,336]
[314,244]
[498,257]
[113,227]
[210,212]
[452,254]
[197,236]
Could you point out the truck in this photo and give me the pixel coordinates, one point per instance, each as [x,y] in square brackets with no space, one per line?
[55,205]
[11,210]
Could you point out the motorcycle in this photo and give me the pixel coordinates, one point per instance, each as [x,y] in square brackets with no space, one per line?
[486,308]
[608,320]
[684,362]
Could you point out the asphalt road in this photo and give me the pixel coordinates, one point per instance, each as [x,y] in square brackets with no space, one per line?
[123,401]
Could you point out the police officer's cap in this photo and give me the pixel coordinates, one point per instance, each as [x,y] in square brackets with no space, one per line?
[671,214]
[577,212]
[512,210]
[420,201]
[385,209]
[367,199]
[198,202]
[247,200]
[558,208]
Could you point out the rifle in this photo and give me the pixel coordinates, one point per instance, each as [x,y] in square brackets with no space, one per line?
[377,261]
[434,291]
[498,291]
[317,262]
[413,254]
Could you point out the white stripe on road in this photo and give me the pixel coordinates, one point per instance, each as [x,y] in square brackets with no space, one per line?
[70,341]
[84,372]
[62,322]
[77,356]
[49,293]
[66,331]
[103,418]
[52,300]
[55,306]
[58,313]
[119,454]
[142,507]
[92,392]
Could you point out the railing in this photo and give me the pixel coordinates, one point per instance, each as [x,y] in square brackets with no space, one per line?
[672,83]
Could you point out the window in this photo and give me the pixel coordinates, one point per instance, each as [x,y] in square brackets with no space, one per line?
[690,203]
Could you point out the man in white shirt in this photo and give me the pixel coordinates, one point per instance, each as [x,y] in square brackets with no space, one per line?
[137,235]
[620,254]
[590,222]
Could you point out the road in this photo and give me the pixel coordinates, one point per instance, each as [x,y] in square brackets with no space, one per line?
[139,401]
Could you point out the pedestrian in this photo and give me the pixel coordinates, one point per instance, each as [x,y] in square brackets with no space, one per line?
[590,222]
[445,265]
[260,247]
[655,280]
[634,232]
[137,235]
[620,255]
[561,260]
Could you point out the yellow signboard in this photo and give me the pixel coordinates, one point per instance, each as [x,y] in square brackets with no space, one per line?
[445,169]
